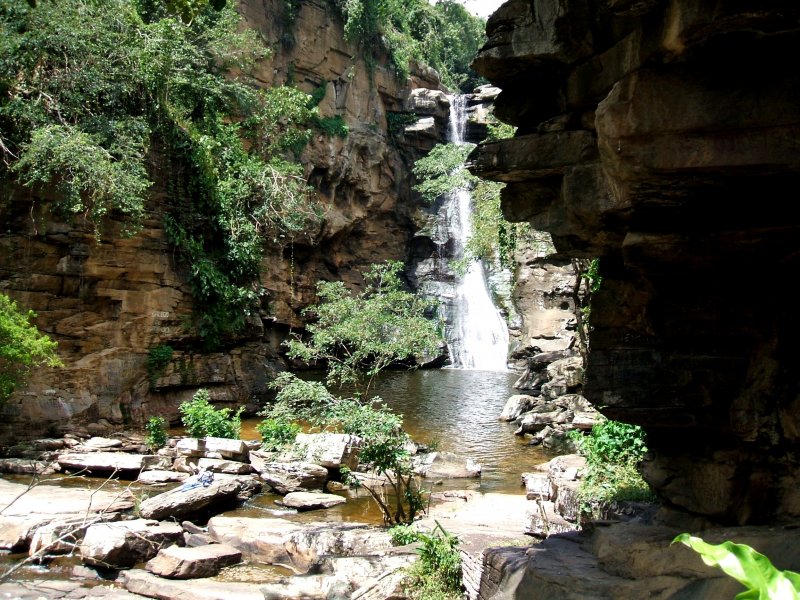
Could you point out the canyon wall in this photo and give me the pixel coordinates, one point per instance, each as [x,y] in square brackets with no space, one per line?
[109,303]
[660,136]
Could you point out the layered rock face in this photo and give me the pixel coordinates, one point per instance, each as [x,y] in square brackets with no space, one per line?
[660,137]
[109,303]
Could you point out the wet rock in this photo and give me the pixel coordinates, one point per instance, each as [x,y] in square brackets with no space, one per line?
[311,500]
[446,465]
[125,543]
[516,405]
[284,478]
[175,562]
[181,504]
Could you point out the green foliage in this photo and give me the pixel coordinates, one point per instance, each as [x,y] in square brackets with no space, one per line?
[90,90]
[444,35]
[22,347]
[384,441]
[437,574]
[497,130]
[442,171]
[203,420]
[157,360]
[396,121]
[358,335]
[612,451]
[403,535]
[277,433]
[156,437]
[750,568]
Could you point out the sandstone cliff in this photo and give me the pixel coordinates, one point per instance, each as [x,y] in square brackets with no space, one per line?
[109,303]
[660,137]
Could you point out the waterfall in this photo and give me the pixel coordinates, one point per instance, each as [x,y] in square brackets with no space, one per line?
[478,336]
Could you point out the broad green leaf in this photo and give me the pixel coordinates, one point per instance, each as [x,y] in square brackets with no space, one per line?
[750,568]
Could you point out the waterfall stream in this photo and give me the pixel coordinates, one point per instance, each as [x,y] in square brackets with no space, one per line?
[478,337]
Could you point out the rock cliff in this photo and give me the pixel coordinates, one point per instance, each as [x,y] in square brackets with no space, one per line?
[109,303]
[660,136]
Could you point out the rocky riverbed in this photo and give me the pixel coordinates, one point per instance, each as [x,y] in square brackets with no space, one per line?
[102,516]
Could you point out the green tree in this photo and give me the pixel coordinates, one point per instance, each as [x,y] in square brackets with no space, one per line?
[357,335]
[22,347]
[201,419]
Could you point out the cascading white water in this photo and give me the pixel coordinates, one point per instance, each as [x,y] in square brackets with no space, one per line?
[479,336]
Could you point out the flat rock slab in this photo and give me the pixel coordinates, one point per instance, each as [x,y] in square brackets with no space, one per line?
[184,504]
[191,563]
[311,500]
[52,500]
[38,589]
[294,544]
[161,476]
[125,543]
[220,465]
[108,462]
[101,443]
[141,582]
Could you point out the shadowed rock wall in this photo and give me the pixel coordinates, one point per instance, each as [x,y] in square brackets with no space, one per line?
[661,136]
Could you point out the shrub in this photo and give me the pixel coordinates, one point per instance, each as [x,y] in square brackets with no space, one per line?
[22,347]
[403,535]
[157,360]
[437,574]
[156,433]
[277,433]
[612,451]
[203,420]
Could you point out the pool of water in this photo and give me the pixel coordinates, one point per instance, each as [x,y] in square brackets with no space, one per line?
[457,411]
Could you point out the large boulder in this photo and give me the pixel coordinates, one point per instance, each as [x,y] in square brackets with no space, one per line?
[284,478]
[177,562]
[331,450]
[125,543]
[219,465]
[177,503]
[516,405]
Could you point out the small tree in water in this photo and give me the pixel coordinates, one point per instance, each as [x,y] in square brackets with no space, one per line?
[357,335]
